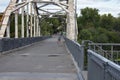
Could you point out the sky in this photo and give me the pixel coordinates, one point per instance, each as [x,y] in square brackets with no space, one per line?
[3,4]
[104,6]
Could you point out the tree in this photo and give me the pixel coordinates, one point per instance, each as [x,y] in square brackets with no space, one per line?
[90,17]
[116,26]
[51,25]
[85,34]
[107,21]
[92,26]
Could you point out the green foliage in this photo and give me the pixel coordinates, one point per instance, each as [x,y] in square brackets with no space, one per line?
[90,17]
[12,25]
[51,26]
[48,25]
[85,34]
[107,21]
[116,26]
[46,28]
[92,26]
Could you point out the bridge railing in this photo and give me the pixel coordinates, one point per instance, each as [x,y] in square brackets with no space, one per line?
[7,44]
[77,52]
[100,68]
[110,51]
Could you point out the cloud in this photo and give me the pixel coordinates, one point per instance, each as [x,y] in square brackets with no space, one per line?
[104,6]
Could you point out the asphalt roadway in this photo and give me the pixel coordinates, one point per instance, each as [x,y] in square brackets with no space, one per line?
[44,60]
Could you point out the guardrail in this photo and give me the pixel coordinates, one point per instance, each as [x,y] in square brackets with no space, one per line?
[7,44]
[100,68]
[77,52]
[110,51]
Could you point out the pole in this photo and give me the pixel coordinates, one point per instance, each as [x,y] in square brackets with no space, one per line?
[22,30]
[27,22]
[31,24]
[16,24]
[8,30]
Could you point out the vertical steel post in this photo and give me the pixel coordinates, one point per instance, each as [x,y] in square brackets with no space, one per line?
[31,20]
[27,22]
[22,28]
[8,30]
[37,26]
[94,47]
[16,24]
[112,52]
[34,25]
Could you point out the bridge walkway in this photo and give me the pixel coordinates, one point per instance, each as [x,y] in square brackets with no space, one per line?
[44,60]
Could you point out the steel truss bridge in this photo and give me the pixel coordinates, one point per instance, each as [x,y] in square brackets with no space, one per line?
[33,10]
[32,56]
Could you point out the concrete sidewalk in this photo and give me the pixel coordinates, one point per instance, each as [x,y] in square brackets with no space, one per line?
[45,60]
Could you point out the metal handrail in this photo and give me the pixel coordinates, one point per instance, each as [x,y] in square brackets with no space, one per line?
[108,69]
[110,53]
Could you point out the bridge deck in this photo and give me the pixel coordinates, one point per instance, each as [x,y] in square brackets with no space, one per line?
[45,60]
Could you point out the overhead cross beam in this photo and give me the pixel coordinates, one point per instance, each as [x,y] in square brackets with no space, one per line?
[33,9]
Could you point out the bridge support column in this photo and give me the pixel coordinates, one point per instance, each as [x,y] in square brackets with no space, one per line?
[16,24]
[34,25]
[22,28]
[37,26]
[71,22]
[31,20]
[27,22]
[8,30]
